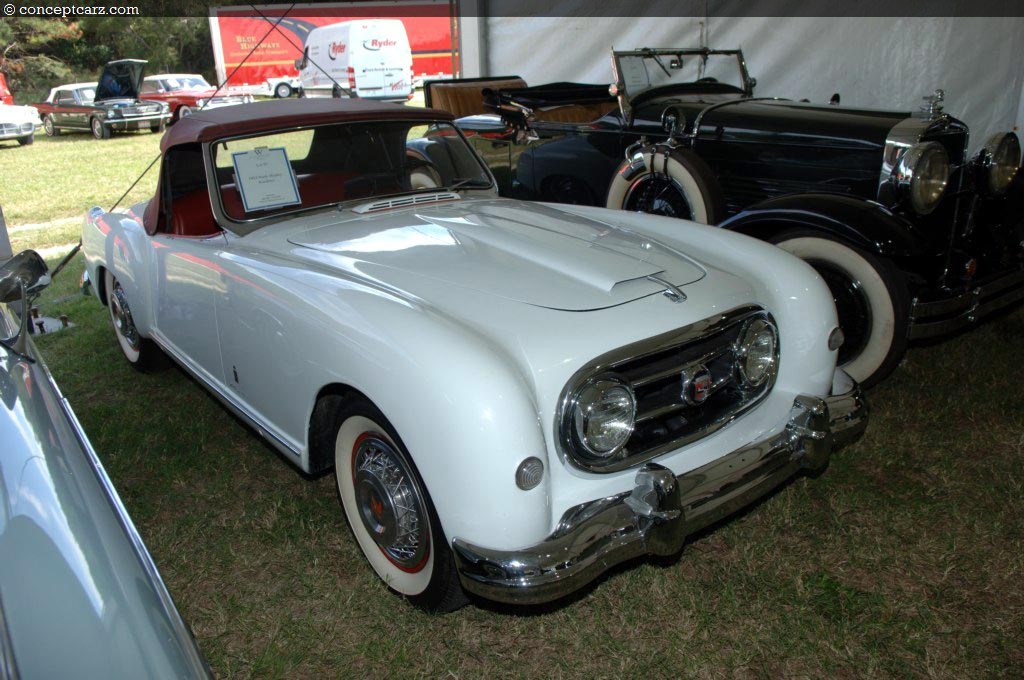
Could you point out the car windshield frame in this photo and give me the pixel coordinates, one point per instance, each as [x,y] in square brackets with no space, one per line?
[655,61]
[483,179]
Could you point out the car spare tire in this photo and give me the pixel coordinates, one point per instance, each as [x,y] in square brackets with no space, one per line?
[662,180]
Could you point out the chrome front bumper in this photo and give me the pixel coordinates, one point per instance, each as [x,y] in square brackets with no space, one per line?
[932,318]
[661,510]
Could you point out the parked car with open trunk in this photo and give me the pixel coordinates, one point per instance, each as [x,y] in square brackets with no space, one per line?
[110,105]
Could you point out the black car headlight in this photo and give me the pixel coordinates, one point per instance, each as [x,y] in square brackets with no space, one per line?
[114,113]
[1000,160]
[757,352]
[602,416]
[922,174]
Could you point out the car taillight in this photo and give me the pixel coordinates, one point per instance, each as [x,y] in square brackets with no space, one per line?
[351,78]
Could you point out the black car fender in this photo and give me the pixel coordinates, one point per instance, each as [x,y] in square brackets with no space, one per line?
[864,224]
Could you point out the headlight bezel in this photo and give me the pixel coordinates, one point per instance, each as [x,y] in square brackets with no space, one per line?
[591,392]
[756,326]
[989,166]
[911,174]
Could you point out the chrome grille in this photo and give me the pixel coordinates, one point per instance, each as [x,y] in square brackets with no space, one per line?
[16,128]
[141,110]
[654,368]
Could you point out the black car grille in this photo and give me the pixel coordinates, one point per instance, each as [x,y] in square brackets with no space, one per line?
[654,369]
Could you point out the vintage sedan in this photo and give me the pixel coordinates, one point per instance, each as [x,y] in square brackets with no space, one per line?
[188,92]
[915,238]
[80,596]
[513,396]
[110,105]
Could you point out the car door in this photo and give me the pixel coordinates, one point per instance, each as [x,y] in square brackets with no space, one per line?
[187,285]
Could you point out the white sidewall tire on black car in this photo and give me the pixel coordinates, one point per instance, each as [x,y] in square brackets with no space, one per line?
[879,287]
[691,178]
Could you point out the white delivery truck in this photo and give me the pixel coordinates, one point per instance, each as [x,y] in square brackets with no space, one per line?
[368,58]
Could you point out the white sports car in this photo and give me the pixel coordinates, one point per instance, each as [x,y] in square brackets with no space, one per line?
[513,396]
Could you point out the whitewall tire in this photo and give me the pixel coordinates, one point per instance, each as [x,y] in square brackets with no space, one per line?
[389,509]
[871,300]
[140,352]
[674,183]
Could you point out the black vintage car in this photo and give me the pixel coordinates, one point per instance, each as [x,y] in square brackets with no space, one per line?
[112,104]
[914,238]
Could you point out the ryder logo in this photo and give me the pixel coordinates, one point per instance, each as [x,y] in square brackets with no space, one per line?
[335,49]
[378,44]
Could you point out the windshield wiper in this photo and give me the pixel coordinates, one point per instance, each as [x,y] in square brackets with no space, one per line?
[471,182]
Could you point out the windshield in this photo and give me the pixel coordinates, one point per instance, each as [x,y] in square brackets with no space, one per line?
[186,83]
[270,174]
[643,70]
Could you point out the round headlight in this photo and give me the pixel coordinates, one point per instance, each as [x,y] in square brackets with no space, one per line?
[923,173]
[603,416]
[1001,159]
[201,102]
[756,352]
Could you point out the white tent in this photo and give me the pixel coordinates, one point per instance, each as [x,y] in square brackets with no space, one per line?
[873,62]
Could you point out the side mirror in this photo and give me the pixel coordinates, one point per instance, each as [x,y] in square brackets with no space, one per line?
[26,269]
[22,278]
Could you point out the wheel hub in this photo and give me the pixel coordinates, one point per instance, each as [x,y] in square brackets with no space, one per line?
[658,194]
[122,317]
[388,503]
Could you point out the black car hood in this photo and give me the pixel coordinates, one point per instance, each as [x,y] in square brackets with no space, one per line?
[120,79]
[838,125]
[740,118]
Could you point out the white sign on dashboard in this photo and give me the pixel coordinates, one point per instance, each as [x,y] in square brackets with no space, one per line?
[265,178]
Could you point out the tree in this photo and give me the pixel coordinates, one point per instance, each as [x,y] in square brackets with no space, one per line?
[27,51]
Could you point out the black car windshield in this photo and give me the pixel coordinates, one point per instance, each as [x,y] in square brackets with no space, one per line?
[281,172]
[642,70]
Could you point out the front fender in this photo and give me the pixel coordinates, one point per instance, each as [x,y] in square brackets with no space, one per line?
[864,224]
[464,407]
[117,242]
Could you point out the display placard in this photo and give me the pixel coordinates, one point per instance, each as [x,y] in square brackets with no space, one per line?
[265,179]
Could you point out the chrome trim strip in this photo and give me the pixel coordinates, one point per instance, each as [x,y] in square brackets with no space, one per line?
[968,307]
[272,438]
[657,515]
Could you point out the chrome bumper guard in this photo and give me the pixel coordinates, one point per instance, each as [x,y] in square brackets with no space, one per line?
[940,317]
[662,509]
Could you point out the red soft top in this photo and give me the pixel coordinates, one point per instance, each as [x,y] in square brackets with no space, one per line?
[266,116]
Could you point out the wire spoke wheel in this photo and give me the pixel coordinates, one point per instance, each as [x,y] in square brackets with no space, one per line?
[658,194]
[389,504]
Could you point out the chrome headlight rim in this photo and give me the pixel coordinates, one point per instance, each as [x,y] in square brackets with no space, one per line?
[572,416]
[745,343]
[998,172]
[910,175]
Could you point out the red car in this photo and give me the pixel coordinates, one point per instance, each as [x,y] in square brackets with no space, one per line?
[5,92]
[188,92]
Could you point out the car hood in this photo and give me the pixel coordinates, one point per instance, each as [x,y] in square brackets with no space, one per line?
[786,122]
[528,252]
[120,80]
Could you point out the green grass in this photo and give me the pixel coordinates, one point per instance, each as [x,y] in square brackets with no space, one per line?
[62,177]
[903,560]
